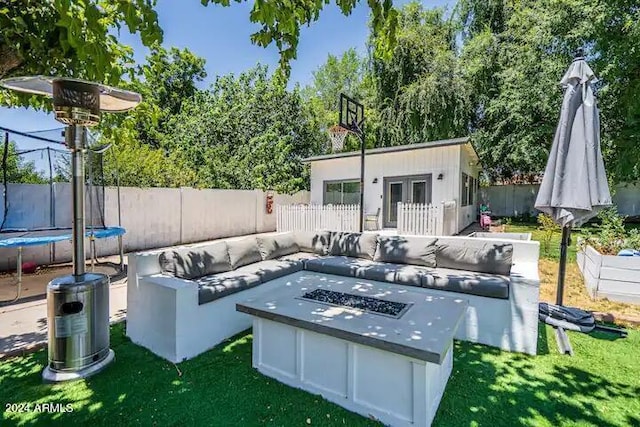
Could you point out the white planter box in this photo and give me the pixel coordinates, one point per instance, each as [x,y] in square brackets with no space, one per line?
[616,278]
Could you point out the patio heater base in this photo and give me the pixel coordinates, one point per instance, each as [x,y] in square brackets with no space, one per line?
[53,376]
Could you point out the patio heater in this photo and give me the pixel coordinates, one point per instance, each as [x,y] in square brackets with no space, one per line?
[77,304]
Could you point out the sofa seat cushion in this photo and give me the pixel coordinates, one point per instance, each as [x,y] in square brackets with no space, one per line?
[354,245]
[194,262]
[467,282]
[394,273]
[406,250]
[272,269]
[219,285]
[338,265]
[277,245]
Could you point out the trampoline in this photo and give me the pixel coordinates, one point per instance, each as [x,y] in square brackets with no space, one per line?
[36,198]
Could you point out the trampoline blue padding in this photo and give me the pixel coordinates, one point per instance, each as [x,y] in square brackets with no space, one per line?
[44,237]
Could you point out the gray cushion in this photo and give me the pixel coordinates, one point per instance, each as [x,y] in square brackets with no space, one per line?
[312,241]
[243,252]
[271,269]
[191,263]
[277,245]
[338,265]
[406,250]
[216,286]
[356,245]
[299,256]
[467,282]
[394,273]
[490,258]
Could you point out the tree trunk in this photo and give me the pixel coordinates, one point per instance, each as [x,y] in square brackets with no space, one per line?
[9,60]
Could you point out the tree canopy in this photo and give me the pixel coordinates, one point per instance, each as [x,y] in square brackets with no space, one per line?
[489,69]
[420,92]
[70,38]
[79,38]
[247,131]
[18,169]
[515,54]
[280,22]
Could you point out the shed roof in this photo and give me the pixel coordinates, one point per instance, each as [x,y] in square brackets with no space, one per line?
[383,150]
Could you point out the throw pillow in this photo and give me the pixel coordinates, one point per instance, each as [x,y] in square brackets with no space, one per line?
[406,250]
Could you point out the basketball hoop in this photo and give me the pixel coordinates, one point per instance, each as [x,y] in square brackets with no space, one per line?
[337,134]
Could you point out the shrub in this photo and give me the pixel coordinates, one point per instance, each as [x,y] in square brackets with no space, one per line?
[549,228]
[612,236]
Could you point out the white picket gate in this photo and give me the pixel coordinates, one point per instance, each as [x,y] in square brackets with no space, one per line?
[422,219]
[317,217]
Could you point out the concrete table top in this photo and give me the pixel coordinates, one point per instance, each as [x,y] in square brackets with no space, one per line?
[425,331]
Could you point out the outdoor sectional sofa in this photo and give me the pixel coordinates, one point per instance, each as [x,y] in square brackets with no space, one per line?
[181,301]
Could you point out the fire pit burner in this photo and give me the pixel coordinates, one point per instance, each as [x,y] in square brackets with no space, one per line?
[368,304]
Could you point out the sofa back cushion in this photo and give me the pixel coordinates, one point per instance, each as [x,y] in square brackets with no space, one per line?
[243,252]
[355,245]
[406,250]
[277,245]
[192,263]
[492,258]
[316,242]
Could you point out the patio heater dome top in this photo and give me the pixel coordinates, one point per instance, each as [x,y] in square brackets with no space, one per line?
[76,101]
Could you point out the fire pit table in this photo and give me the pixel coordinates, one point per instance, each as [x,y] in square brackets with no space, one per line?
[378,349]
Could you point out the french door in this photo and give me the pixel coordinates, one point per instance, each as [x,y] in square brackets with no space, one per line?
[405,189]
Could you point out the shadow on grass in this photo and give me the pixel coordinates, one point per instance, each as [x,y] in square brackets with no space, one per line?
[219,387]
[487,387]
[490,387]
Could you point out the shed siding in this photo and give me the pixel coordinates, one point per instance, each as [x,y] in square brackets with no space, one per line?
[434,160]
[469,165]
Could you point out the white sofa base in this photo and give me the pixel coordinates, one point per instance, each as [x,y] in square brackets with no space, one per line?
[356,377]
[168,320]
[163,314]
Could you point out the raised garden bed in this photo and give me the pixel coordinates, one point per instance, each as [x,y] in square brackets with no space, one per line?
[616,278]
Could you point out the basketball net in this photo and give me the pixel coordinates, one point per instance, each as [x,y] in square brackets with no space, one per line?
[337,134]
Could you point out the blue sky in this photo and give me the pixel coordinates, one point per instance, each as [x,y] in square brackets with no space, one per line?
[221,36]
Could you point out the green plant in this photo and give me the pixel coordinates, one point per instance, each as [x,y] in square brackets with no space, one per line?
[611,236]
[549,228]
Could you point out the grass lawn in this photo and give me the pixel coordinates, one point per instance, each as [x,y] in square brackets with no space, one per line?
[600,386]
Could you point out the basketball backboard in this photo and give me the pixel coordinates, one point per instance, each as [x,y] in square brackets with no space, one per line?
[351,114]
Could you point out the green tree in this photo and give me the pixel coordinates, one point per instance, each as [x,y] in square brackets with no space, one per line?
[19,170]
[281,20]
[70,38]
[166,81]
[616,59]
[76,38]
[515,53]
[337,75]
[345,74]
[247,132]
[421,94]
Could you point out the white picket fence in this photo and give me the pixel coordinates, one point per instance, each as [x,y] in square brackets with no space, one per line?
[433,219]
[317,217]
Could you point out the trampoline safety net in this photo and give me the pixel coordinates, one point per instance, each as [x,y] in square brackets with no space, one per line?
[36,184]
